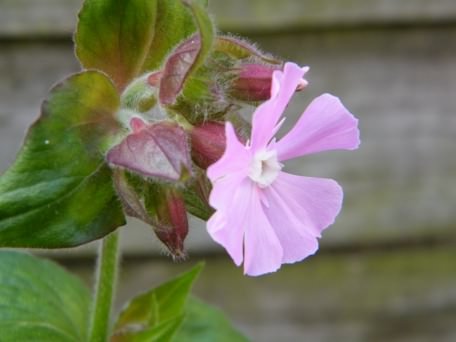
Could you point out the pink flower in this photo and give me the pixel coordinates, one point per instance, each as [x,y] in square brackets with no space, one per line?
[266,217]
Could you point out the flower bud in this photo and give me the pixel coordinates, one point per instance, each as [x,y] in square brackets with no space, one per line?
[160,206]
[154,79]
[208,143]
[170,222]
[253,82]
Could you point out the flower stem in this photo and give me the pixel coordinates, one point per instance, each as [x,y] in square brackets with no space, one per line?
[106,279]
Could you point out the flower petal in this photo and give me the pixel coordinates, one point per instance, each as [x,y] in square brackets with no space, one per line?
[299,209]
[222,190]
[296,237]
[262,252]
[228,224]
[325,125]
[235,158]
[232,241]
[267,115]
[315,202]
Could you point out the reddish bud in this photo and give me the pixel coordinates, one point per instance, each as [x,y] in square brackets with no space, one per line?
[208,143]
[158,205]
[154,79]
[170,222]
[253,82]
[137,124]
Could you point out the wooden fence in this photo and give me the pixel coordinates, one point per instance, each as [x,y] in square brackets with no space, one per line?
[387,268]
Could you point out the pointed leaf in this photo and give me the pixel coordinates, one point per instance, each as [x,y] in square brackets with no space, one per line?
[40,302]
[125,39]
[204,323]
[187,57]
[59,192]
[162,332]
[159,150]
[162,304]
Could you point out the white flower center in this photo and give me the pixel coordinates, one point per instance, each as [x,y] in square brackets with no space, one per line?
[264,168]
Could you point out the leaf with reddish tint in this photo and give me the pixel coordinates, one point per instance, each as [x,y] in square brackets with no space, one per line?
[59,192]
[187,57]
[159,150]
[177,69]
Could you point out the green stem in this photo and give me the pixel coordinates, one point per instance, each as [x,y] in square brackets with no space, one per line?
[106,279]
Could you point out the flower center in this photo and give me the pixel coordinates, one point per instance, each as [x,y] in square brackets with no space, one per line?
[264,168]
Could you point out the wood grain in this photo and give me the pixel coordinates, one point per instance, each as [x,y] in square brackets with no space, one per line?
[57,18]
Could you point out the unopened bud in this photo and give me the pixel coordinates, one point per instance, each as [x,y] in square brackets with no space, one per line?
[253,82]
[154,79]
[171,223]
[208,143]
[160,206]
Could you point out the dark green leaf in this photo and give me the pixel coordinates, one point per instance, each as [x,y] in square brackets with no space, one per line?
[40,302]
[204,323]
[128,38]
[59,192]
[162,304]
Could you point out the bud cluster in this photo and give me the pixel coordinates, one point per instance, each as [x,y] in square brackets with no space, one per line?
[174,120]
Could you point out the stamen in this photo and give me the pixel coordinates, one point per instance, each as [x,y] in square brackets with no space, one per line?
[265,168]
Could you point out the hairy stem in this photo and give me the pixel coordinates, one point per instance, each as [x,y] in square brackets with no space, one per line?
[106,279]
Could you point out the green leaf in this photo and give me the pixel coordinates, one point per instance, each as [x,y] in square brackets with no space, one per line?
[59,192]
[128,38]
[205,29]
[163,304]
[204,323]
[161,332]
[241,49]
[40,302]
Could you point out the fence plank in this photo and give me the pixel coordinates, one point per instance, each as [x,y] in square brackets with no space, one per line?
[57,18]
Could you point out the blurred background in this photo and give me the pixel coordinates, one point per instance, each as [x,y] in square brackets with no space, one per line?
[386,270]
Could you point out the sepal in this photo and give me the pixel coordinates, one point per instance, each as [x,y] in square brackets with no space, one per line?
[158,150]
